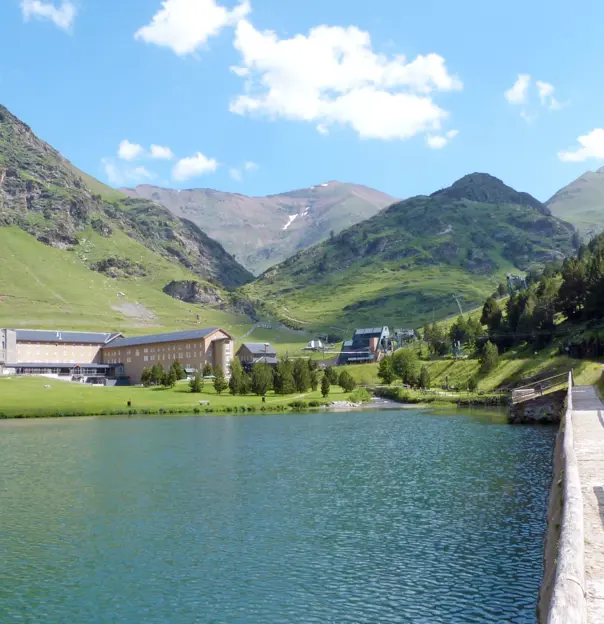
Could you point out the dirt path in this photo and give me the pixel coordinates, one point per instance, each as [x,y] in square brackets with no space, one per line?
[588,430]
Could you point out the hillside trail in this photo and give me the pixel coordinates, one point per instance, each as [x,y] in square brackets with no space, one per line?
[588,431]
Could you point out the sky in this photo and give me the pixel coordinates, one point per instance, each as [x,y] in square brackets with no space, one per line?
[265,96]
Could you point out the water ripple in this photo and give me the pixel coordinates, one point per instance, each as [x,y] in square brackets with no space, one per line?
[362,518]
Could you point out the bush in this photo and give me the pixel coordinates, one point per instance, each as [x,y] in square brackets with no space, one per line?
[298,405]
[360,396]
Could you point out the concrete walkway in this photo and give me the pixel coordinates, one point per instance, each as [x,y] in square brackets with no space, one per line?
[588,430]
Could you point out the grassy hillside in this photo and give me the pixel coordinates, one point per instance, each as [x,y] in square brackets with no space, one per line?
[41,286]
[45,195]
[512,370]
[582,203]
[404,266]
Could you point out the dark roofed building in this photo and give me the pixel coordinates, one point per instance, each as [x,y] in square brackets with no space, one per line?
[251,353]
[367,345]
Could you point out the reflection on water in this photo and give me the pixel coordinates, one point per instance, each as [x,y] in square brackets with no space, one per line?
[393,516]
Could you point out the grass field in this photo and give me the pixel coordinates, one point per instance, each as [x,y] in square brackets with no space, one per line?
[28,397]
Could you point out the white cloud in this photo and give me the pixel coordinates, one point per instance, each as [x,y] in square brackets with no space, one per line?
[184,26]
[236,174]
[130,151]
[192,167]
[250,166]
[546,95]
[161,153]
[118,175]
[62,16]
[518,94]
[333,76]
[591,147]
[438,141]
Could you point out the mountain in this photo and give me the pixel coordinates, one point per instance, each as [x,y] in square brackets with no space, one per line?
[406,265]
[263,231]
[71,246]
[582,203]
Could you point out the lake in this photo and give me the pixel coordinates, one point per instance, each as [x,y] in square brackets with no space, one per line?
[370,517]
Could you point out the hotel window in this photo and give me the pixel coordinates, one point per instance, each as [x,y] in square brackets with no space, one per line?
[146,358]
[137,353]
[128,360]
[145,350]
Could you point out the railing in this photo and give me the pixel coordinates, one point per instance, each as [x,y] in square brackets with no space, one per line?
[568,604]
[538,388]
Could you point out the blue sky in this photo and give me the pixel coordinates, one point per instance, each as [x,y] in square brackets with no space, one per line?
[402,96]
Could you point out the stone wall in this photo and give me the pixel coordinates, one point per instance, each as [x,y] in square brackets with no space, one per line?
[541,410]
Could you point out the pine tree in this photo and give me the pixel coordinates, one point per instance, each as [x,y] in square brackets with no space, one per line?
[325,386]
[146,377]
[347,382]
[208,371]
[220,382]
[301,376]
[331,375]
[196,384]
[405,365]
[490,358]
[491,315]
[179,371]
[284,377]
[424,378]
[157,375]
[262,379]
[385,370]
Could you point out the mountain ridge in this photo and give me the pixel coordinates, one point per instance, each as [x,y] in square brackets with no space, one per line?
[265,230]
[581,202]
[408,261]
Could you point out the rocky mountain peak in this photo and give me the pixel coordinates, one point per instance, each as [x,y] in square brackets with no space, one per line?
[485,188]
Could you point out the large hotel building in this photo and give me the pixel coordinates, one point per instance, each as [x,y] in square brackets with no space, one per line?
[109,358]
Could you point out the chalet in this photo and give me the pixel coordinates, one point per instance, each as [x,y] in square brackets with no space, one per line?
[251,353]
[367,345]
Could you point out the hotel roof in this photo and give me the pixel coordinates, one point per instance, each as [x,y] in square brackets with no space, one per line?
[192,334]
[55,336]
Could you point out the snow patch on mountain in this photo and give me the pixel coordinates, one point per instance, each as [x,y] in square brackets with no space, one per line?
[291,218]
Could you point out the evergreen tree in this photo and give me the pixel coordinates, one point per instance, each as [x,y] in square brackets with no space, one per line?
[301,375]
[179,371]
[196,384]
[460,331]
[157,375]
[208,371]
[146,378]
[170,378]
[502,291]
[313,370]
[473,383]
[347,382]
[325,386]
[220,382]
[490,358]
[262,379]
[424,378]
[385,370]
[573,290]
[491,315]
[284,377]
[236,382]
[332,375]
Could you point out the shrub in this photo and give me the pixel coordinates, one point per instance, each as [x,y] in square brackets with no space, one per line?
[360,396]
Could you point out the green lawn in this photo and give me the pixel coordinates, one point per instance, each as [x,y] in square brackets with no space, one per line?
[28,396]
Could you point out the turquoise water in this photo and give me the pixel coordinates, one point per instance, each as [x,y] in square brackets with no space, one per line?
[393,516]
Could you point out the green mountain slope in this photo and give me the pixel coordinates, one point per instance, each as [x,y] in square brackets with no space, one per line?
[77,254]
[264,231]
[43,194]
[582,203]
[403,266]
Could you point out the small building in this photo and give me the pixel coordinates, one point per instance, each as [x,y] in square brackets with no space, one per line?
[252,352]
[367,345]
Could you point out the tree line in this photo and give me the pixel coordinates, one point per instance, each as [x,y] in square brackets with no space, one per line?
[288,377]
